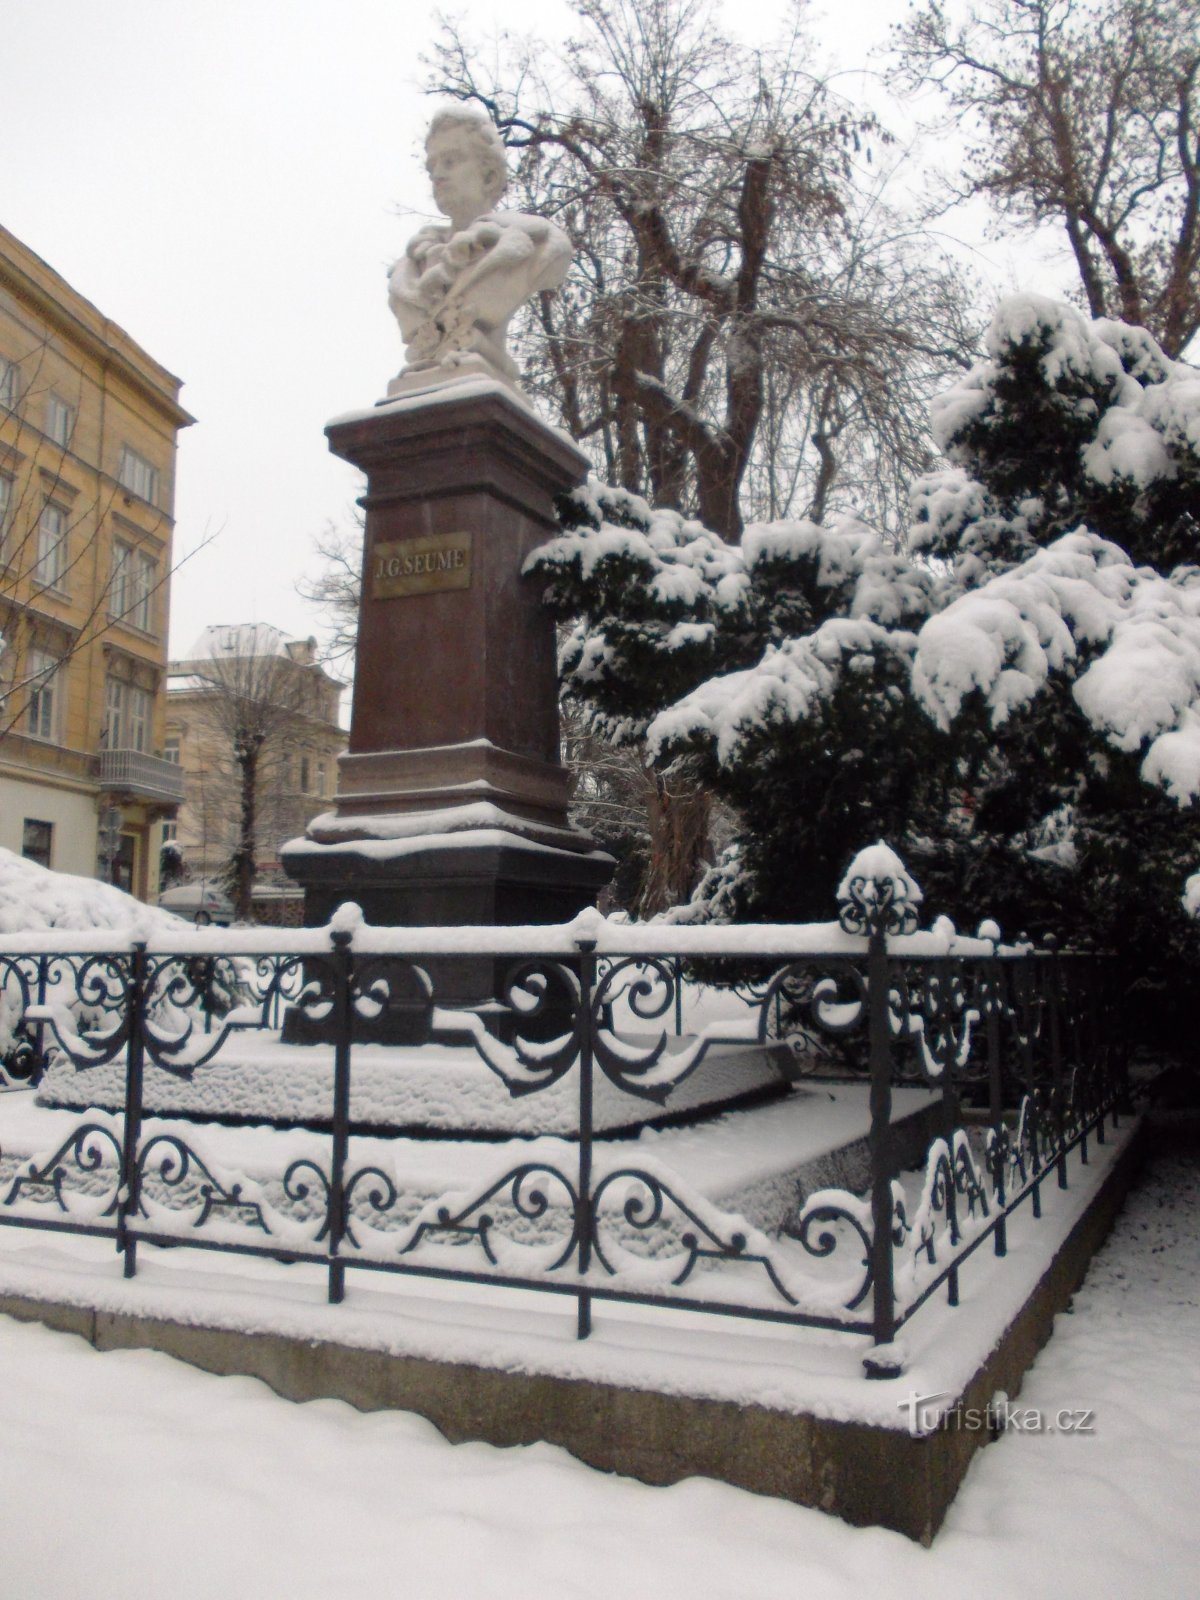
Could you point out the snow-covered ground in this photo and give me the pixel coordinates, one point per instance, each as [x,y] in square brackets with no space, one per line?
[128,1472]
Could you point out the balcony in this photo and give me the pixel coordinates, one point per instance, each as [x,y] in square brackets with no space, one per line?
[132,772]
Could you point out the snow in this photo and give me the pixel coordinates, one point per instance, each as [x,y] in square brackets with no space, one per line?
[393,846]
[657,1349]
[32,897]
[237,642]
[1126,446]
[952,410]
[792,683]
[440,1087]
[879,864]
[436,395]
[1129,638]
[235,1491]
[880,585]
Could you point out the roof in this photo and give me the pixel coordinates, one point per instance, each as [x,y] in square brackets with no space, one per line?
[238,639]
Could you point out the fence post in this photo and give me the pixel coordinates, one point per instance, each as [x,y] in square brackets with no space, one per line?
[994,993]
[1056,1071]
[1093,1048]
[1080,1080]
[343,977]
[880,1138]
[584,1220]
[135,1012]
[39,1028]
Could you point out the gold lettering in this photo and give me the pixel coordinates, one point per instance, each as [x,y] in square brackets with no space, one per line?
[421,565]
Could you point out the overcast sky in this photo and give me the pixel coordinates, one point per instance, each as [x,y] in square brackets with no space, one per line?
[230,180]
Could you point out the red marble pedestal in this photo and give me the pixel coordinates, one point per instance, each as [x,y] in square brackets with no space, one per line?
[451,803]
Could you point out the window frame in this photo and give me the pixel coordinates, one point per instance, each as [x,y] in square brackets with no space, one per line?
[10,384]
[128,716]
[59,420]
[35,855]
[46,572]
[138,475]
[134,582]
[49,692]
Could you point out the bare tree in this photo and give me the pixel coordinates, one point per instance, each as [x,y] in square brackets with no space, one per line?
[1088,116]
[258,692]
[728,262]
[335,588]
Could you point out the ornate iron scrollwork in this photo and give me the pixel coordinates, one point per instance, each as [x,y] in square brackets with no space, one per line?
[646,1202]
[527,1191]
[874,905]
[827,1212]
[174,1164]
[84,1154]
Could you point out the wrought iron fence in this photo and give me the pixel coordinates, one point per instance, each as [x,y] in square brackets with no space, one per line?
[1019,1044]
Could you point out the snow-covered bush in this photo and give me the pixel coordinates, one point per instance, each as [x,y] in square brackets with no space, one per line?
[1015,702]
[34,899]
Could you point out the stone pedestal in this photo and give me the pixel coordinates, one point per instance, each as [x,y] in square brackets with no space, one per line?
[451,803]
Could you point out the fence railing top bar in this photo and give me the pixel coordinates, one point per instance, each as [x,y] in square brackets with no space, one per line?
[607,937]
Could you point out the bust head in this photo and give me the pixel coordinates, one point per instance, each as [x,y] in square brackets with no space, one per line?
[465,159]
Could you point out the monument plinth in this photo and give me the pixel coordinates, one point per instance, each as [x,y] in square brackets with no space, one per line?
[452,802]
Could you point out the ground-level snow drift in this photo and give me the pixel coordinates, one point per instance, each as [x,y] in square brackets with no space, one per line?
[128,1470]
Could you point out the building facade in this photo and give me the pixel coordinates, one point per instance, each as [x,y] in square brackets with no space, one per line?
[240,684]
[88,431]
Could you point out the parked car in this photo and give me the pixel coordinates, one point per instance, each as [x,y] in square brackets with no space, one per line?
[200,903]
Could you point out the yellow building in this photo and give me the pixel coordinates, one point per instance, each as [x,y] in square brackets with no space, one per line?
[88,429]
[248,683]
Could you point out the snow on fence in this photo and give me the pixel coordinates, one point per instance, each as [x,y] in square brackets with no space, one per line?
[1019,1043]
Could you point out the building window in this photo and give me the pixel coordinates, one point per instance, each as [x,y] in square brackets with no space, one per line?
[37,841]
[44,714]
[121,873]
[305,775]
[52,546]
[133,582]
[9,391]
[127,720]
[60,420]
[322,775]
[138,476]
[170,832]
[171,751]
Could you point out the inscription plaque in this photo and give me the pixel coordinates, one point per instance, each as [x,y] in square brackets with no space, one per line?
[421,566]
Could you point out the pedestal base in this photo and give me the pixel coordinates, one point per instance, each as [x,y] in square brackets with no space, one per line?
[485,877]
[482,876]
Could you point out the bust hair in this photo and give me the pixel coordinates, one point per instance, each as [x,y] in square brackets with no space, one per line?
[485,143]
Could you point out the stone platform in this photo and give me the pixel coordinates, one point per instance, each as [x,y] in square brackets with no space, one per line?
[432,1090]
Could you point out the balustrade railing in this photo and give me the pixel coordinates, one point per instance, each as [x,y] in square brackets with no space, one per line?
[1018,1043]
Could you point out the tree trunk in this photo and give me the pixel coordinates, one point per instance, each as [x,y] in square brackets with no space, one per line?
[678,817]
[243,861]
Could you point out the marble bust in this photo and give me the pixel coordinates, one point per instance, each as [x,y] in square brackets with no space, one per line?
[457,285]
